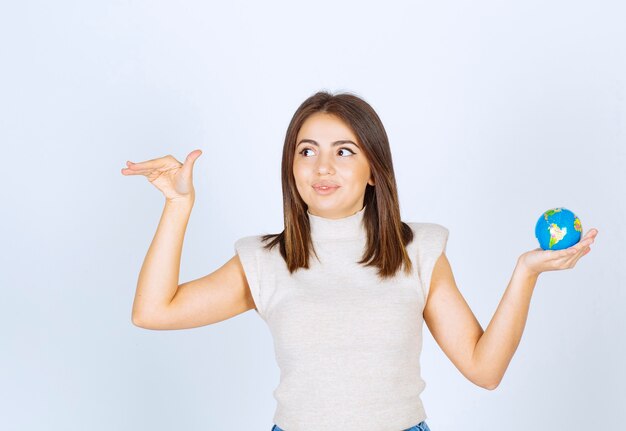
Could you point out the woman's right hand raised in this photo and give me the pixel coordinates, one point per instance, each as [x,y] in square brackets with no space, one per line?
[167,174]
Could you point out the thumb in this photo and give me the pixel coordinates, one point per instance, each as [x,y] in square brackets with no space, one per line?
[190,160]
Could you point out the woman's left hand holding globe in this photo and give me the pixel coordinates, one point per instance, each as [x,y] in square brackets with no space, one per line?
[538,260]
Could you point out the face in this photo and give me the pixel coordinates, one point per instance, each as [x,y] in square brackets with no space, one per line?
[327,154]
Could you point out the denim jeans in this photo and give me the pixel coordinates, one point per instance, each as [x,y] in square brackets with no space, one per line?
[419,427]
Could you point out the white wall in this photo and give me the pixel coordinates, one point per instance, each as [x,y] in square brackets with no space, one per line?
[496,112]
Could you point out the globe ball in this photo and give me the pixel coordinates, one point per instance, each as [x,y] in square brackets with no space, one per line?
[557,229]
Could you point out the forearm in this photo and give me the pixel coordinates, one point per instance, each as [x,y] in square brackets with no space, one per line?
[496,346]
[158,278]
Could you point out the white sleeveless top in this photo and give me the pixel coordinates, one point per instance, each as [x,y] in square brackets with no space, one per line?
[348,345]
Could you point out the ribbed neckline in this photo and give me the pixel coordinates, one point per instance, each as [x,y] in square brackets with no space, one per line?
[350,227]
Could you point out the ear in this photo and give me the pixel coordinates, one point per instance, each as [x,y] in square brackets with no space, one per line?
[371,181]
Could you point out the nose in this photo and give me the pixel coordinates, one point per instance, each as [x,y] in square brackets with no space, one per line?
[325,164]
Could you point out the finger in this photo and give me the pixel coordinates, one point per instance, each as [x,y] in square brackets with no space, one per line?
[135,167]
[580,255]
[564,258]
[563,253]
[579,250]
[591,233]
[190,160]
[576,251]
[143,166]
[138,170]
[586,241]
[571,257]
[164,165]
[128,165]
[131,170]
[152,163]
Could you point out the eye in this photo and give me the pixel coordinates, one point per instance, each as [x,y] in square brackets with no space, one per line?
[301,152]
[345,148]
[306,149]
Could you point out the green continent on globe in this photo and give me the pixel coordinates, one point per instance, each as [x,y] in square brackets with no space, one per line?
[556,234]
[550,213]
[577,225]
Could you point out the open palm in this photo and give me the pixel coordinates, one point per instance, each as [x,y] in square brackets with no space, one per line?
[173,178]
[538,260]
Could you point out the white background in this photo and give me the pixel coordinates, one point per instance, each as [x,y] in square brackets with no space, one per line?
[496,112]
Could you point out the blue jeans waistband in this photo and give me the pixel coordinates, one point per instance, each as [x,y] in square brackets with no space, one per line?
[419,427]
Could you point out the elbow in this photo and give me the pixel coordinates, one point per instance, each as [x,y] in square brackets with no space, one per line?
[488,383]
[141,317]
[140,322]
[150,319]
[485,378]
[136,321]
[135,316]
[490,386]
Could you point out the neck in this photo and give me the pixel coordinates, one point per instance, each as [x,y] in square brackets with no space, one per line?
[325,229]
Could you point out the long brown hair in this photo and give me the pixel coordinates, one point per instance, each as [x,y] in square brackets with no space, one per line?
[387,235]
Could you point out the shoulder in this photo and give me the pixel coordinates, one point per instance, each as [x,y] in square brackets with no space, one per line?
[248,242]
[429,242]
[429,239]
[425,231]
[254,245]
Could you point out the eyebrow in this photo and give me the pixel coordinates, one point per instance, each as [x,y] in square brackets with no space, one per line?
[334,144]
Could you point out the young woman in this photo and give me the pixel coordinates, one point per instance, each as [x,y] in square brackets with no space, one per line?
[346,287]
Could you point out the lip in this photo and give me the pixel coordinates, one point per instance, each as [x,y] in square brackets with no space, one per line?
[325,184]
[328,189]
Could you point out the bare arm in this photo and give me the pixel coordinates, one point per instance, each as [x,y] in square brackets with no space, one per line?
[451,321]
[497,345]
[160,303]
[484,355]
[158,279]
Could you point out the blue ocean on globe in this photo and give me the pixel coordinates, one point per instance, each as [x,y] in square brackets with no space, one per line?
[558,228]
